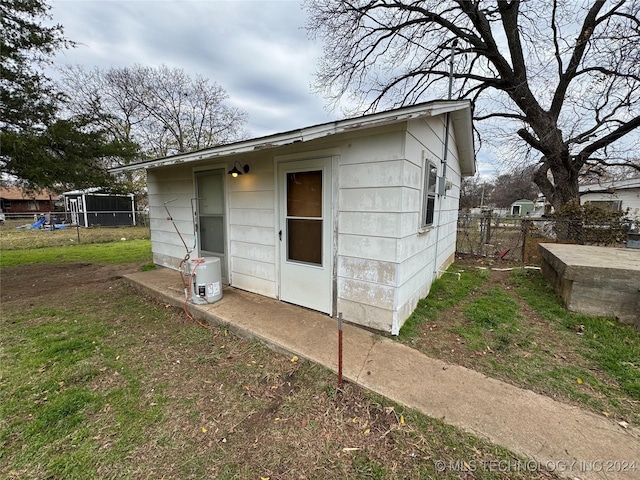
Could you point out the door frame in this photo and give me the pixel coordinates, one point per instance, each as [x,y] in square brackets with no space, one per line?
[225,258]
[333,157]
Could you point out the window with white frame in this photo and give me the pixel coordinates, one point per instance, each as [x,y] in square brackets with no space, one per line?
[610,205]
[429,193]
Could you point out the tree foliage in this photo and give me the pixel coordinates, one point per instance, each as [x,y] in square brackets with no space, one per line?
[162,109]
[69,154]
[591,224]
[27,97]
[501,192]
[552,81]
[474,192]
[38,147]
[509,187]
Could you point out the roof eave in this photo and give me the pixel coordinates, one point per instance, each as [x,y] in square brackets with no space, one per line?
[462,125]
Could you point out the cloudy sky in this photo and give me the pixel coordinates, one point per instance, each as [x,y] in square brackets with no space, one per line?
[258,51]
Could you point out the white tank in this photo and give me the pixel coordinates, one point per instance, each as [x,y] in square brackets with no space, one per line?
[206,280]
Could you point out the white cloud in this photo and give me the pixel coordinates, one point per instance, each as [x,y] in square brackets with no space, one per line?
[257,51]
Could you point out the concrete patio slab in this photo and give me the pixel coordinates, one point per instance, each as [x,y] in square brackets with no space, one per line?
[599,281]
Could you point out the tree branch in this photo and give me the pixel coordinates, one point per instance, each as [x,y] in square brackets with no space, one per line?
[588,26]
[607,140]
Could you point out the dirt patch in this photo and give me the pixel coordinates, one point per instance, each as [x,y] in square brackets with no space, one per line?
[25,283]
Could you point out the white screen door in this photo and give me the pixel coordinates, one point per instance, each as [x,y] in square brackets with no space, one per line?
[306,268]
[211,216]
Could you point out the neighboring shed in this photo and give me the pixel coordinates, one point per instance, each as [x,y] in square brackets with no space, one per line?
[15,200]
[615,195]
[89,208]
[522,207]
[356,216]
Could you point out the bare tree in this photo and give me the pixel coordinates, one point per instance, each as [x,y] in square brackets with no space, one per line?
[162,109]
[516,185]
[474,192]
[562,78]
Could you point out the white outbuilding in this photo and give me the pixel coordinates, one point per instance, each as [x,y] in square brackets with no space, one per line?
[616,195]
[356,216]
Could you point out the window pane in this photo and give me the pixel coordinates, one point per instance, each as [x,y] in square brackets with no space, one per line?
[431,202]
[429,193]
[613,205]
[304,241]
[433,175]
[304,194]
[210,194]
[212,234]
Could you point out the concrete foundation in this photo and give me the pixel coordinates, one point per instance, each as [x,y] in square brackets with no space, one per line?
[600,281]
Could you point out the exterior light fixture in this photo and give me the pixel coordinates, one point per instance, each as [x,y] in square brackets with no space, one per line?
[234,172]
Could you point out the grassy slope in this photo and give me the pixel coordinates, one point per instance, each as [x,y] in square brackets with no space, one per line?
[592,361]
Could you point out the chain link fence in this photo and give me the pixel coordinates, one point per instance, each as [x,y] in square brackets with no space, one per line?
[516,239]
[141,217]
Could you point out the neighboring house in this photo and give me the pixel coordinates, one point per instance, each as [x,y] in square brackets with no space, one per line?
[616,195]
[15,200]
[522,207]
[89,208]
[356,216]
[487,210]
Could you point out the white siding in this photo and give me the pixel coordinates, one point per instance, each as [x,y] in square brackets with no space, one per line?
[630,199]
[250,199]
[384,262]
[167,184]
[252,223]
[371,196]
[424,255]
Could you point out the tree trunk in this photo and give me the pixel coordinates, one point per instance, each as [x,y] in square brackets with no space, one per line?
[561,189]
[562,185]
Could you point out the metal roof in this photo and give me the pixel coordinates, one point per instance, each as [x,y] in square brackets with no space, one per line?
[460,111]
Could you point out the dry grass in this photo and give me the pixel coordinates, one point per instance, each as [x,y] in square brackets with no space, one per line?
[103,383]
[13,238]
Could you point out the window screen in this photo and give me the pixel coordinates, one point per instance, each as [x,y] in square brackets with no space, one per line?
[429,200]
[304,217]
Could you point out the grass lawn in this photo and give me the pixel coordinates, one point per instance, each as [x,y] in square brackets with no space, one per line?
[512,326]
[13,238]
[101,382]
[98,245]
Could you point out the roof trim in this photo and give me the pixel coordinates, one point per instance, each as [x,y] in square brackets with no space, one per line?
[96,192]
[461,117]
[610,186]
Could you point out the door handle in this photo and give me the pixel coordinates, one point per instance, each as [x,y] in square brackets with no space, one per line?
[280,235]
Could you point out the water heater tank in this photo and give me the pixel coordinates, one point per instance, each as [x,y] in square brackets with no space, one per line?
[206,280]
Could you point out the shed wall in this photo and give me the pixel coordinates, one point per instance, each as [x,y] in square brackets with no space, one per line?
[371,196]
[420,260]
[252,228]
[384,264]
[630,199]
[166,184]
